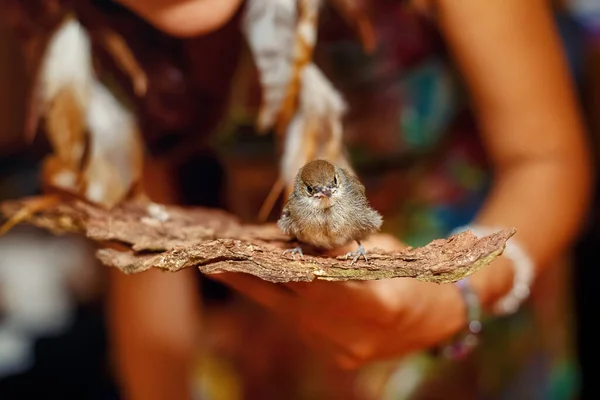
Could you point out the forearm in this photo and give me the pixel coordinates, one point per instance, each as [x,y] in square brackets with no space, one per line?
[154,332]
[546,202]
[510,55]
[155,318]
[147,373]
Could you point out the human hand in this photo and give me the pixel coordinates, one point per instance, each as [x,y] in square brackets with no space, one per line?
[354,323]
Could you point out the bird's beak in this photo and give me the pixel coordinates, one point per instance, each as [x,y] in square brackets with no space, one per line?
[323,192]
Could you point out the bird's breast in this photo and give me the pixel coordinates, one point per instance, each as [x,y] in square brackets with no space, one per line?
[325,228]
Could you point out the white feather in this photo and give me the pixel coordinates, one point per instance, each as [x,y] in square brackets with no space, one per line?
[277,39]
[293,155]
[113,136]
[269,26]
[318,96]
[67,63]
[320,102]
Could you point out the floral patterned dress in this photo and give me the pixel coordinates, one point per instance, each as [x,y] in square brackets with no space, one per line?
[415,144]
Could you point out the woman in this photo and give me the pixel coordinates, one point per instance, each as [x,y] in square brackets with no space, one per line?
[533,149]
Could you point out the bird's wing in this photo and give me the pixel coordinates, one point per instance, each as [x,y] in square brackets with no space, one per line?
[284,223]
[355,183]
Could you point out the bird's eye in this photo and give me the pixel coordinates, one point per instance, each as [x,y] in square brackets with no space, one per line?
[335,180]
[309,189]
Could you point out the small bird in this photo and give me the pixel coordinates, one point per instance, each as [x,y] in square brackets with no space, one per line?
[328,208]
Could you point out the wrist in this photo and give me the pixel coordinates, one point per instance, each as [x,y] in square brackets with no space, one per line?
[472,297]
[464,343]
[456,310]
[493,282]
[498,289]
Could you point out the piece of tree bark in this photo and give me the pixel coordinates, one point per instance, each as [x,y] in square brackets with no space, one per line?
[135,237]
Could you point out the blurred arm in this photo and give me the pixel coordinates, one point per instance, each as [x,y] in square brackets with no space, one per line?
[154,320]
[153,317]
[510,55]
[154,333]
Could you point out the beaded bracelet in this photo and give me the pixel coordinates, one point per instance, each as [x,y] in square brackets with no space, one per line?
[522,266]
[470,339]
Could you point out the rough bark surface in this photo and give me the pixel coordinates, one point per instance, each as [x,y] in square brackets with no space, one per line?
[135,237]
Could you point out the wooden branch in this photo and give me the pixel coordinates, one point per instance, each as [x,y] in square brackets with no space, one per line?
[172,238]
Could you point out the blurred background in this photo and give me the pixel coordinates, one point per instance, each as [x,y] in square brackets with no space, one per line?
[52,327]
[52,334]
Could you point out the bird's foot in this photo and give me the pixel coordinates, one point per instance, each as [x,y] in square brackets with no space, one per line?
[294,251]
[356,254]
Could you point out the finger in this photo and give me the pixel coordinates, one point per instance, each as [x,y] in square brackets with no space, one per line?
[322,290]
[353,337]
[273,296]
[276,297]
[345,342]
[347,362]
[347,356]
[328,350]
[311,325]
[384,242]
[331,299]
[373,301]
[319,343]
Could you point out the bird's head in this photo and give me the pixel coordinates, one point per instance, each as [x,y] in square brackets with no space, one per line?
[319,181]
